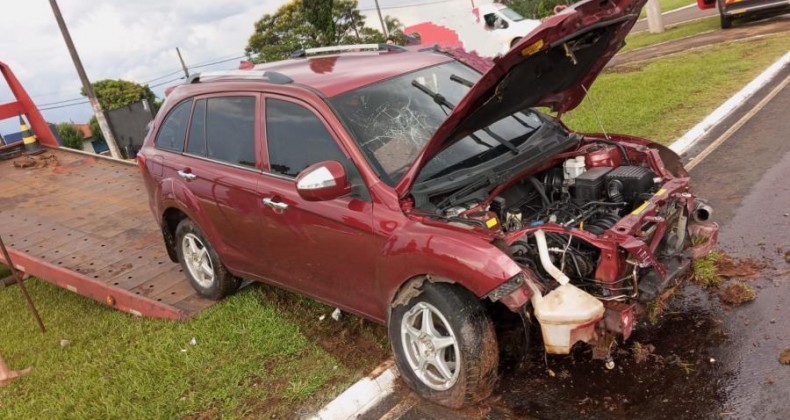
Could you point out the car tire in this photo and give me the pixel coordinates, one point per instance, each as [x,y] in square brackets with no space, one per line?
[514,42]
[464,370]
[201,264]
[726,21]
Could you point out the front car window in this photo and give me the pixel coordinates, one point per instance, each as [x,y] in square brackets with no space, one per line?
[296,138]
[391,121]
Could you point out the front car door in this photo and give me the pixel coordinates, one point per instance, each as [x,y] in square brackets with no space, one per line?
[323,248]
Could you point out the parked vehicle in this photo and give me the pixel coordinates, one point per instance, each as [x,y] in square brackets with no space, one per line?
[487,28]
[422,190]
[730,10]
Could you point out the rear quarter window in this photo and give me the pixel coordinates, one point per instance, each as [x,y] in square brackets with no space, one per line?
[174,127]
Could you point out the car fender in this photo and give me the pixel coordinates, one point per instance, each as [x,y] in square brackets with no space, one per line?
[176,195]
[421,251]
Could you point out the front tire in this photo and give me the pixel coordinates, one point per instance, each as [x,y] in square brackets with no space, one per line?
[445,345]
[201,264]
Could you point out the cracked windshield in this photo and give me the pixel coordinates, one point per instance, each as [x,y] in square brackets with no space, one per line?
[392,121]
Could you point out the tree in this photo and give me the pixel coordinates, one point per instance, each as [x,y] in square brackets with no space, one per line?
[114,94]
[93,124]
[71,135]
[536,9]
[289,29]
[319,14]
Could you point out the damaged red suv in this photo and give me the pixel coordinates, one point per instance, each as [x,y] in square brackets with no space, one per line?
[423,190]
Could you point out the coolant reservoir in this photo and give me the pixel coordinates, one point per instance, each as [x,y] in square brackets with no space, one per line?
[567,315]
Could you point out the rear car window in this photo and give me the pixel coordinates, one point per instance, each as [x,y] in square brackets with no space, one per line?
[230,129]
[297,138]
[174,128]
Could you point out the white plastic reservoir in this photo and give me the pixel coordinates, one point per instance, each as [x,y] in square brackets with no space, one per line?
[567,315]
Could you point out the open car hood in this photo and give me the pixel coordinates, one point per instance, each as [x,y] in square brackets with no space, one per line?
[553,66]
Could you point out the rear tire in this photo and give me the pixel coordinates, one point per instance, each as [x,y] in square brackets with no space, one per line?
[451,359]
[201,264]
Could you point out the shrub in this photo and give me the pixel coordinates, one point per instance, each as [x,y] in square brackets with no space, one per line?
[71,135]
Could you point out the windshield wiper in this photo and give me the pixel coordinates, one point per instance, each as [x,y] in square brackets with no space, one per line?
[442,101]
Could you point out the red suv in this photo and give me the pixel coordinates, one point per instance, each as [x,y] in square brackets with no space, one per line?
[422,190]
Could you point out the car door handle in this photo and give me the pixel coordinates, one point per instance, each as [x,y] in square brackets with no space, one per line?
[275,204]
[189,176]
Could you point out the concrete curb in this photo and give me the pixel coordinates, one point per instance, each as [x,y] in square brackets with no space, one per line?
[361,396]
[691,137]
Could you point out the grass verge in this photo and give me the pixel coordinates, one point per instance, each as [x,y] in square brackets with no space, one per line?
[661,99]
[248,360]
[645,39]
[705,272]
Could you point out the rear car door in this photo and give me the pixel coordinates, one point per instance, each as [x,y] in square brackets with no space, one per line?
[323,248]
[220,167]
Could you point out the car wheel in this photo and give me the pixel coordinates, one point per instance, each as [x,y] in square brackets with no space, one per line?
[201,263]
[445,345]
[726,21]
[514,42]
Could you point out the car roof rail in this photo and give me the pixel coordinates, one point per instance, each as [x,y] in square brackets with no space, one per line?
[269,76]
[339,49]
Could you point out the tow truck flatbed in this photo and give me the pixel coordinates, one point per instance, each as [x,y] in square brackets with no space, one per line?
[85,225]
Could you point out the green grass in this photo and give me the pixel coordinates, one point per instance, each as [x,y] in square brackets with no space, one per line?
[704,271]
[661,99]
[667,5]
[645,39]
[251,359]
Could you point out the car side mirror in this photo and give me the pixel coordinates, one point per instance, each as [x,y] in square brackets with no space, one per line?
[323,181]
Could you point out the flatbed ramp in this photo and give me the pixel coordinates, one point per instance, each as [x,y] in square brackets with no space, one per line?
[84,224]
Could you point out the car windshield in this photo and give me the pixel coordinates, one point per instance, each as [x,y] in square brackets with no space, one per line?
[391,121]
[511,14]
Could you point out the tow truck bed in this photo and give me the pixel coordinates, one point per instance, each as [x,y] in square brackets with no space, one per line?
[85,225]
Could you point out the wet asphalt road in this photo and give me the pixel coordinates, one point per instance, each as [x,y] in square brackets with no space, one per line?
[710,360]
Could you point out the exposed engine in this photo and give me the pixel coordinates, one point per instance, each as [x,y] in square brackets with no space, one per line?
[576,198]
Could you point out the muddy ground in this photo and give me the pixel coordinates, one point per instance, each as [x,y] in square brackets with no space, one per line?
[703,359]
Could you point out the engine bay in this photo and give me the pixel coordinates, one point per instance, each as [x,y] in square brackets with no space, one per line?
[578,197]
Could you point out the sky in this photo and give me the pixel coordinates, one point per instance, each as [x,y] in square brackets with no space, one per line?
[133,40]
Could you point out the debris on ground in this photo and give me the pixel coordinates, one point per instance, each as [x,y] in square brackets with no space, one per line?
[746,268]
[787,257]
[65,343]
[784,358]
[704,270]
[336,314]
[736,293]
[642,352]
[7,375]
[36,162]
[657,307]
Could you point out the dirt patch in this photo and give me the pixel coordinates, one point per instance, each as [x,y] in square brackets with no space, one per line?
[736,293]
[36,162]
[784,358]
[746,268]
[643,352]
[627,67]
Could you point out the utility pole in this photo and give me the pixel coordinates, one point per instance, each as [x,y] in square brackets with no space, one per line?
[86,84]
[183,66]
[383,25]
[655,20]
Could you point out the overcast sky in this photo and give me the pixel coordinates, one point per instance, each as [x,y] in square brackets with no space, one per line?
[128,39]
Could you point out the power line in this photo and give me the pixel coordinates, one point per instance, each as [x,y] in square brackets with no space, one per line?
[61,102]
[164,83]
[64,106]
